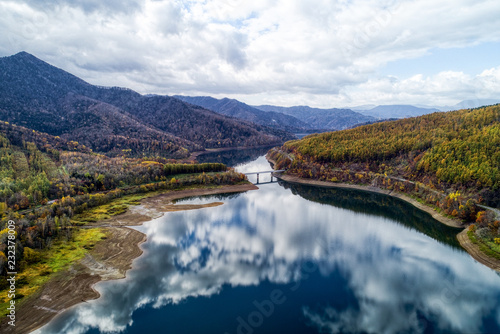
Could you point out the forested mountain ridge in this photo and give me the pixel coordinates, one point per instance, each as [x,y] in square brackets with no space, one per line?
[461,148]
[195,123]
[235,108]
[107,129]
[449,160]
[45,181]
[37,167]
[19,136]
[42,97]
[331,119]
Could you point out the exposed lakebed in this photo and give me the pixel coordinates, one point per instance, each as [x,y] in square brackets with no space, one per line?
[295,259]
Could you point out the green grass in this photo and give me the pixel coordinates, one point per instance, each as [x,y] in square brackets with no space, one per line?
[487,247]
[493,246]
[59,257]
[120,205]
[106,211]
[113,208]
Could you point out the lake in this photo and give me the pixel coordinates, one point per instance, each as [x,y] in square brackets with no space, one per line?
[295,259]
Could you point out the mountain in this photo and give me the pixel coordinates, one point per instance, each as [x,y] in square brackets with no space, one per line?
[466,104]
[397,111]
[114,120]
[449,151]
[237,109]
[362,108]
[194,123]
[18,136]
[403,111]
[332,119]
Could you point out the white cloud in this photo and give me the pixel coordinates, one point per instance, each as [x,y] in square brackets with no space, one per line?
[321,53]
[440,89]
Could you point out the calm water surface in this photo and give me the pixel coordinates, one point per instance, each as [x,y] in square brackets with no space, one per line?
[295,259]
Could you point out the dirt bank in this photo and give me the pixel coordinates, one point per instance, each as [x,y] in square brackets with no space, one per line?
[109,259]
[476,253]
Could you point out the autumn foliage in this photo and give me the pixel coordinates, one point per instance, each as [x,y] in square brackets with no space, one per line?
[448,160]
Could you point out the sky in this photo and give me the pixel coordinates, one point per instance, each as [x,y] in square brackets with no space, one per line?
[321,53]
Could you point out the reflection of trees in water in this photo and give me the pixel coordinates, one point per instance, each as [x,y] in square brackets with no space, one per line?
[379,205]
[214,197]
[234,157]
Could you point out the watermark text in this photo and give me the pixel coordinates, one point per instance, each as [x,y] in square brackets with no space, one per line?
[11,272]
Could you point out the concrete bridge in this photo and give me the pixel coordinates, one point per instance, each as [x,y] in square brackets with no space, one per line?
[266,172]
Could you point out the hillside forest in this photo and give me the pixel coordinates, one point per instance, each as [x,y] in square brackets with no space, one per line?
[448,160]
[46,180]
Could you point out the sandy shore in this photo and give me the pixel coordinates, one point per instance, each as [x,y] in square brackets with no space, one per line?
[109,259]
[462,237]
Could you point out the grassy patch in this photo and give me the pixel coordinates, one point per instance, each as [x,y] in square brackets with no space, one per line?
[120,205]
[489,248]
[494,247]
[59,257]
[106,211]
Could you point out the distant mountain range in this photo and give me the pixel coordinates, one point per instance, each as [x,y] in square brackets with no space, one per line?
[468,104]
[235,108]
[332,119]
[403,111]
[114,120]
[397,111]
[293,119]
[299,119]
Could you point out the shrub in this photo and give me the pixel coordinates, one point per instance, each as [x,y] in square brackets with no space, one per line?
[483,233]
[31,256]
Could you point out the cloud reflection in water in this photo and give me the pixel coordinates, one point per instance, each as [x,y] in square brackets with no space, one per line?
[403,280]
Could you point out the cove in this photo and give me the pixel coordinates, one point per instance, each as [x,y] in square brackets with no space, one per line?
[295,259]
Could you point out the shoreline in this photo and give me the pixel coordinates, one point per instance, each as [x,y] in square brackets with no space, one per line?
[462,237]
[110,259]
